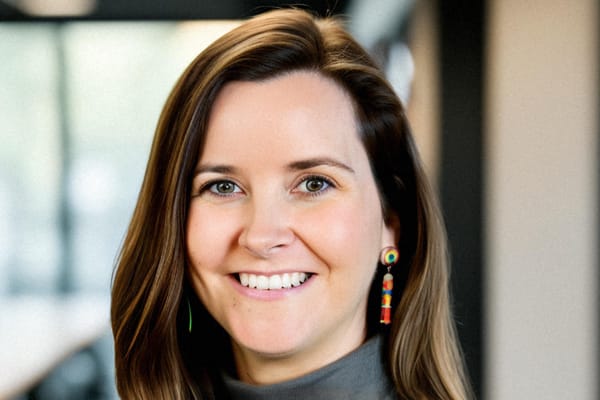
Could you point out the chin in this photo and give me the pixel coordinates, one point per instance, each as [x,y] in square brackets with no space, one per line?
[268,350]
[273,342]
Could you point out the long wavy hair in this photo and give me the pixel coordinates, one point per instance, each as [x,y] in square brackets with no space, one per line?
[156,356]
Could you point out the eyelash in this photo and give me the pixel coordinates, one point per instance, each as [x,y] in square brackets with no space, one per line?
[208,185]
[329,184]
[206,188]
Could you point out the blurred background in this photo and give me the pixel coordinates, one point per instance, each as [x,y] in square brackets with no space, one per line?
[503,99]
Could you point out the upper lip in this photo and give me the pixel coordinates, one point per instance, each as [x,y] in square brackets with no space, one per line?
[271,273]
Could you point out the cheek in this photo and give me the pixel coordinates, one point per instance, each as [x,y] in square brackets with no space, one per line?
[348,232]
[208,236]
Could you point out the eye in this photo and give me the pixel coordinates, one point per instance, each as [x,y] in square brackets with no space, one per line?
[221,188]
[314,185]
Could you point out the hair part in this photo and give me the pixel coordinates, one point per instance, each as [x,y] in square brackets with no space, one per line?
[154,358]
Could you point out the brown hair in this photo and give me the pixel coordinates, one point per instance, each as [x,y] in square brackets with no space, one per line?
[155,355]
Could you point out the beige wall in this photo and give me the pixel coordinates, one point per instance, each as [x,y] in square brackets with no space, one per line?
[424,106]
[541,201]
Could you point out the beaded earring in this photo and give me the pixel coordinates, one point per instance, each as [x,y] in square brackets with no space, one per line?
[389,257]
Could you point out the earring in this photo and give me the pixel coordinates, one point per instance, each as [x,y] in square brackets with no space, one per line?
[189,316]
[389,257]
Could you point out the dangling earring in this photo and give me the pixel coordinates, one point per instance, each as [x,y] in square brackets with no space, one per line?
[389,257]
[189,316]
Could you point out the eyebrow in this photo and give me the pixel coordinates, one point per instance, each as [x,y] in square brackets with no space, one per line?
[316,162]
[216,168]
[293,166]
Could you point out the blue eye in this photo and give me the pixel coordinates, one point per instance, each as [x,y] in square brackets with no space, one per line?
[314,184]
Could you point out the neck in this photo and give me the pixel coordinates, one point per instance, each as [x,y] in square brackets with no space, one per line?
[264,369]
[358,375]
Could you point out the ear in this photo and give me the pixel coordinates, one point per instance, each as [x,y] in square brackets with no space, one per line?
[390,234]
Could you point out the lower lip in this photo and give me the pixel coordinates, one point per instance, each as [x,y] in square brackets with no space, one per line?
[269,295]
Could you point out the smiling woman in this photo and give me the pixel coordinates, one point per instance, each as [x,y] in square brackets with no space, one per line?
[282,182]
[275,223]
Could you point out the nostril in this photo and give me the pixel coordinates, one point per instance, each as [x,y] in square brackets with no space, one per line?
[266,229]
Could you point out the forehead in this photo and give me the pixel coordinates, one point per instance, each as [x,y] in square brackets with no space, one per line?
[303,110]
[301,90]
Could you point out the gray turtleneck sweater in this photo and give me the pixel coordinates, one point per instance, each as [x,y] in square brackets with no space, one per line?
[359,375]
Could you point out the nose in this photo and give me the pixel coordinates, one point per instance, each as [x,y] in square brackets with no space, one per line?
[266,229]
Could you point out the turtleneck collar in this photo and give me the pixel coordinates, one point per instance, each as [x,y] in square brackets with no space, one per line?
[358,375]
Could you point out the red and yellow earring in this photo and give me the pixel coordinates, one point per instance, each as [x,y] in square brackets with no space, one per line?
[389,257]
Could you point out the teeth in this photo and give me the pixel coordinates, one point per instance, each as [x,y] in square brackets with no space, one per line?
[295,278]
[262,282]
[273,282]
[285,281]
[244,279]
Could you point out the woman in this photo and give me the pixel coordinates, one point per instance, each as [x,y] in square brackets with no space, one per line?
[282,170]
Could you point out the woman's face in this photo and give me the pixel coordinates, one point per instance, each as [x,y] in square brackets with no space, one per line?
[285,224]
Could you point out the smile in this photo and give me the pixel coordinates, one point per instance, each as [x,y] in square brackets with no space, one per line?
[273,282]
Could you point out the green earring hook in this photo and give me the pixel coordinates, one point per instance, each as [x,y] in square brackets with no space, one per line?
[189,316]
